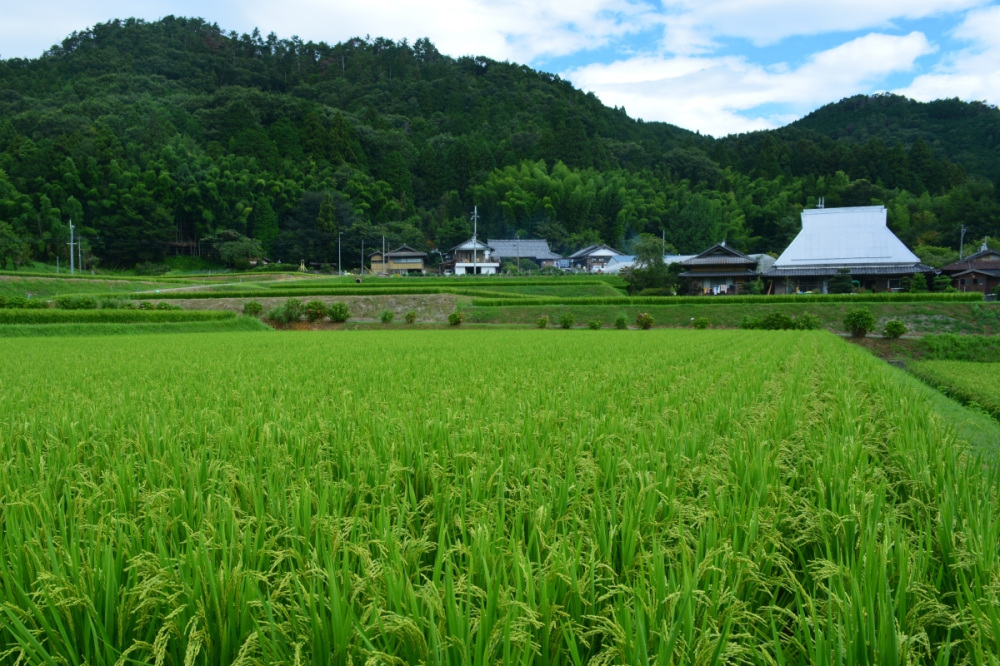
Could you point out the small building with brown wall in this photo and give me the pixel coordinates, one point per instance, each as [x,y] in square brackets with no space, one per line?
[978,272]
[404,260]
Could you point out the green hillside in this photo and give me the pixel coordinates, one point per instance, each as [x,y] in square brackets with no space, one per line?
[167,138]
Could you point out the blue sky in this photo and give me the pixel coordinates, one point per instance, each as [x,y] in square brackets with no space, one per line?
[716,66]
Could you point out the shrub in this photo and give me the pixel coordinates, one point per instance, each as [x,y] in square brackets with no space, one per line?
[807,322]
[314,310]
[644,321]
[386,316]
[35,304]
[542,322]
[566,320]
[411,317]
[594,324]
[702,322]
[893,329]
[858,321]
[918,283]
[841,283]
[150,268]
[252,309]
[456,318]
[338,312]
[145,305]
[111,303]
[290,311]
[163,305]
[621,322]
[76,302]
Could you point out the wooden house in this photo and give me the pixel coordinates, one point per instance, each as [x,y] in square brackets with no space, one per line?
[473,257]
[535,249]
[977,272]
[723,270]
[404,260]
[593,258]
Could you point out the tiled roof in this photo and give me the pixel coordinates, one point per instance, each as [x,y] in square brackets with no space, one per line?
[591,249]
[856,269]
[526,248]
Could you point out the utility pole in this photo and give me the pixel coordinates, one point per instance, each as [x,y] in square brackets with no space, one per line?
[961,245]
[475,243]
[340,271]
[362,256]
[72,269]
[385,271]
[663,245]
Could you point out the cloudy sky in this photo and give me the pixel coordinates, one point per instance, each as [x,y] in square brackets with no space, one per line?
[717,66]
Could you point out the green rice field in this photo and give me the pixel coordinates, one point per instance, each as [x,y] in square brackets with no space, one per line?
[488,496]
[970,382]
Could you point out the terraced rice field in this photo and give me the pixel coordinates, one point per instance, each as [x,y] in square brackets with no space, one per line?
[969,382]
[472,497]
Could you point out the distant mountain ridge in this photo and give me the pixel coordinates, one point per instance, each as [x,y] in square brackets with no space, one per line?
[155,137]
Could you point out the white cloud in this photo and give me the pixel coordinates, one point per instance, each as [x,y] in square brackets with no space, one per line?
[713,94]
[519,30]
[972,73]
[693,25]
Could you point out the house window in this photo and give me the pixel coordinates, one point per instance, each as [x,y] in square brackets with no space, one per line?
[895,283]
[975,280]
[961,282]
[407,260]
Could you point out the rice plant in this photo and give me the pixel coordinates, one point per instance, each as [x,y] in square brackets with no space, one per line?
[398,496]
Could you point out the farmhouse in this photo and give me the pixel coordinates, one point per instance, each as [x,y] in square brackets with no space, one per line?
[404,260]
[537,250]
[722,270]
[857,239]
[593,258]
[977,272]
[472,257]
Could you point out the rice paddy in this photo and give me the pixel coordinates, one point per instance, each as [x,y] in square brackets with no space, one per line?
[972,383]
[472,497]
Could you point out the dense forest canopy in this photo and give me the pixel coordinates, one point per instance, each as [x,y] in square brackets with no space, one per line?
[152,137]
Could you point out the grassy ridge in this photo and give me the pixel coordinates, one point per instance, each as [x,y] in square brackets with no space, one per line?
[303,292]
[53,316]
[739,300]
[779,496]
[233,324]
[969,382]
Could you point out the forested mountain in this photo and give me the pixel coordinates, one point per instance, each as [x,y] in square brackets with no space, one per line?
[152,137]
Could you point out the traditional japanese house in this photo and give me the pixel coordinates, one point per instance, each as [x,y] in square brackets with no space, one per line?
[857,239]
[472,257]
[593,258]
[977,272]
[537,250]
[723,270]
[404,260]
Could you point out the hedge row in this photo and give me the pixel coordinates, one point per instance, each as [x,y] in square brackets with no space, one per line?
[110,316]
[320,291]
[886,297]
[422,283]
[238,324]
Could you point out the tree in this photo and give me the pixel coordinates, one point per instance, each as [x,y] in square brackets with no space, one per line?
[12,248]
[841,283]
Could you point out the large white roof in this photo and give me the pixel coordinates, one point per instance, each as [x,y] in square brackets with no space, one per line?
[843,237]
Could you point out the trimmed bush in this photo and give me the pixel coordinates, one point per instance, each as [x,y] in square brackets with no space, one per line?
[859,321]
[456,318]
[290,311]
[145,305]
[411,317]
[807,322]
[894,329]
[542,322]
[338,312]
[702,322]
[621,322]
[566,320]
[163,305]
[594,324]
[644,321]
[314,310]
[252,309]
[76,302]
[386,316]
